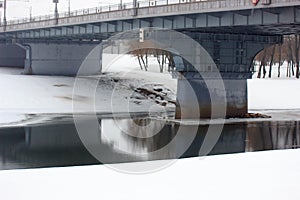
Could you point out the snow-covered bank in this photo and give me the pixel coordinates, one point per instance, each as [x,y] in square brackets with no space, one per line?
[21,94]
[115,92]
[273,94]
[270,175]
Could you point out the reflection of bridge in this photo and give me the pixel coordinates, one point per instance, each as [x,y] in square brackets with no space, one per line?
[232,31]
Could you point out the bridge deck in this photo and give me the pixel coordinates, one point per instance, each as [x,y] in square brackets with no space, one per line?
[280,17]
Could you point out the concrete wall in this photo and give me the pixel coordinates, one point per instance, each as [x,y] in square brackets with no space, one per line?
[12,56]
[64,59]
[236,98]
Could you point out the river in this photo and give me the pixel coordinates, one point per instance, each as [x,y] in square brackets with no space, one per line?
[56,142]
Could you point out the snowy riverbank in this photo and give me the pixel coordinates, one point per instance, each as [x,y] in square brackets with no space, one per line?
[115,91]
[266,175]
[22,94]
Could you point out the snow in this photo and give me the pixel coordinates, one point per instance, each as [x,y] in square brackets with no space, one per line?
[273,94]
[270,175]
[23,94]
[8,118]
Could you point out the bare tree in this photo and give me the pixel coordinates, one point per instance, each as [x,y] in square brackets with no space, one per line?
[290,60]
[271,61]
[288,52]
[262,58]
[296,53]
[280,60]
[143,50]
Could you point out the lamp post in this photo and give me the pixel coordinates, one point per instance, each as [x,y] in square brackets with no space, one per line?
[134,7]
[55,11]
[4,11]
[30,13]
[69,7]
[4,15]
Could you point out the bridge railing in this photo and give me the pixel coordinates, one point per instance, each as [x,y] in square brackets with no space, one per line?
[103,9]
[195,5]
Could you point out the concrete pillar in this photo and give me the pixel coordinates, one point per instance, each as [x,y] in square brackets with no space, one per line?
[236,97]
[63,59]
[233,55]
[11,56]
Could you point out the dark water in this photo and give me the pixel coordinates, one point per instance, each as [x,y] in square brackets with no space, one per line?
[58,144]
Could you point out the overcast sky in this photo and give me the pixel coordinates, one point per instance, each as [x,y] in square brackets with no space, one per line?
[21,8]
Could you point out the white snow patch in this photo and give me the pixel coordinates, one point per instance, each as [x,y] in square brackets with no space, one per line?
[273,94]
[266,175]
[10,118]
[24,94]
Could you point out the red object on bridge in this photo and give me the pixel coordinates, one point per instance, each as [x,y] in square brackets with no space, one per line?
[255,2]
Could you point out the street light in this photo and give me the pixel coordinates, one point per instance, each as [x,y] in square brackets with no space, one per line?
[69,7]
[4,14]
[30,12]
[56,11]
[134,7]
[4,11]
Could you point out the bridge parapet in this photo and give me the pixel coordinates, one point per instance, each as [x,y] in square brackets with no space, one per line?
[146,9]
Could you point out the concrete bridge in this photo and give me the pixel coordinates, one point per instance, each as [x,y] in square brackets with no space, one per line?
[231,31]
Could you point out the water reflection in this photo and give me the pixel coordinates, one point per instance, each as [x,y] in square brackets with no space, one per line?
[43,146]
[125,140]
[273,135]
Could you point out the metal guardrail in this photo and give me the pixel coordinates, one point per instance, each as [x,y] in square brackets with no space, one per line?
[104,9]
[107,11]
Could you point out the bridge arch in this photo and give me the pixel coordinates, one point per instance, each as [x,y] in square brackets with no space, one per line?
[275,61]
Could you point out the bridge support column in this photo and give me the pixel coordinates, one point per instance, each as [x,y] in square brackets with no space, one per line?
[236,103]
[11,56]
[233,57]
[62,59]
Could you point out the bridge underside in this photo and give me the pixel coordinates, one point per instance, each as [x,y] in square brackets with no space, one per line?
[85,35]
[232,53]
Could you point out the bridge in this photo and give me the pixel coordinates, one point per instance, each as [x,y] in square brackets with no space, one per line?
[231,31]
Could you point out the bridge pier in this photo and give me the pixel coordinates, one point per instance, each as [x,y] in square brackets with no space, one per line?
[233,56]
[11,56]
[62,59]
[236,103]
